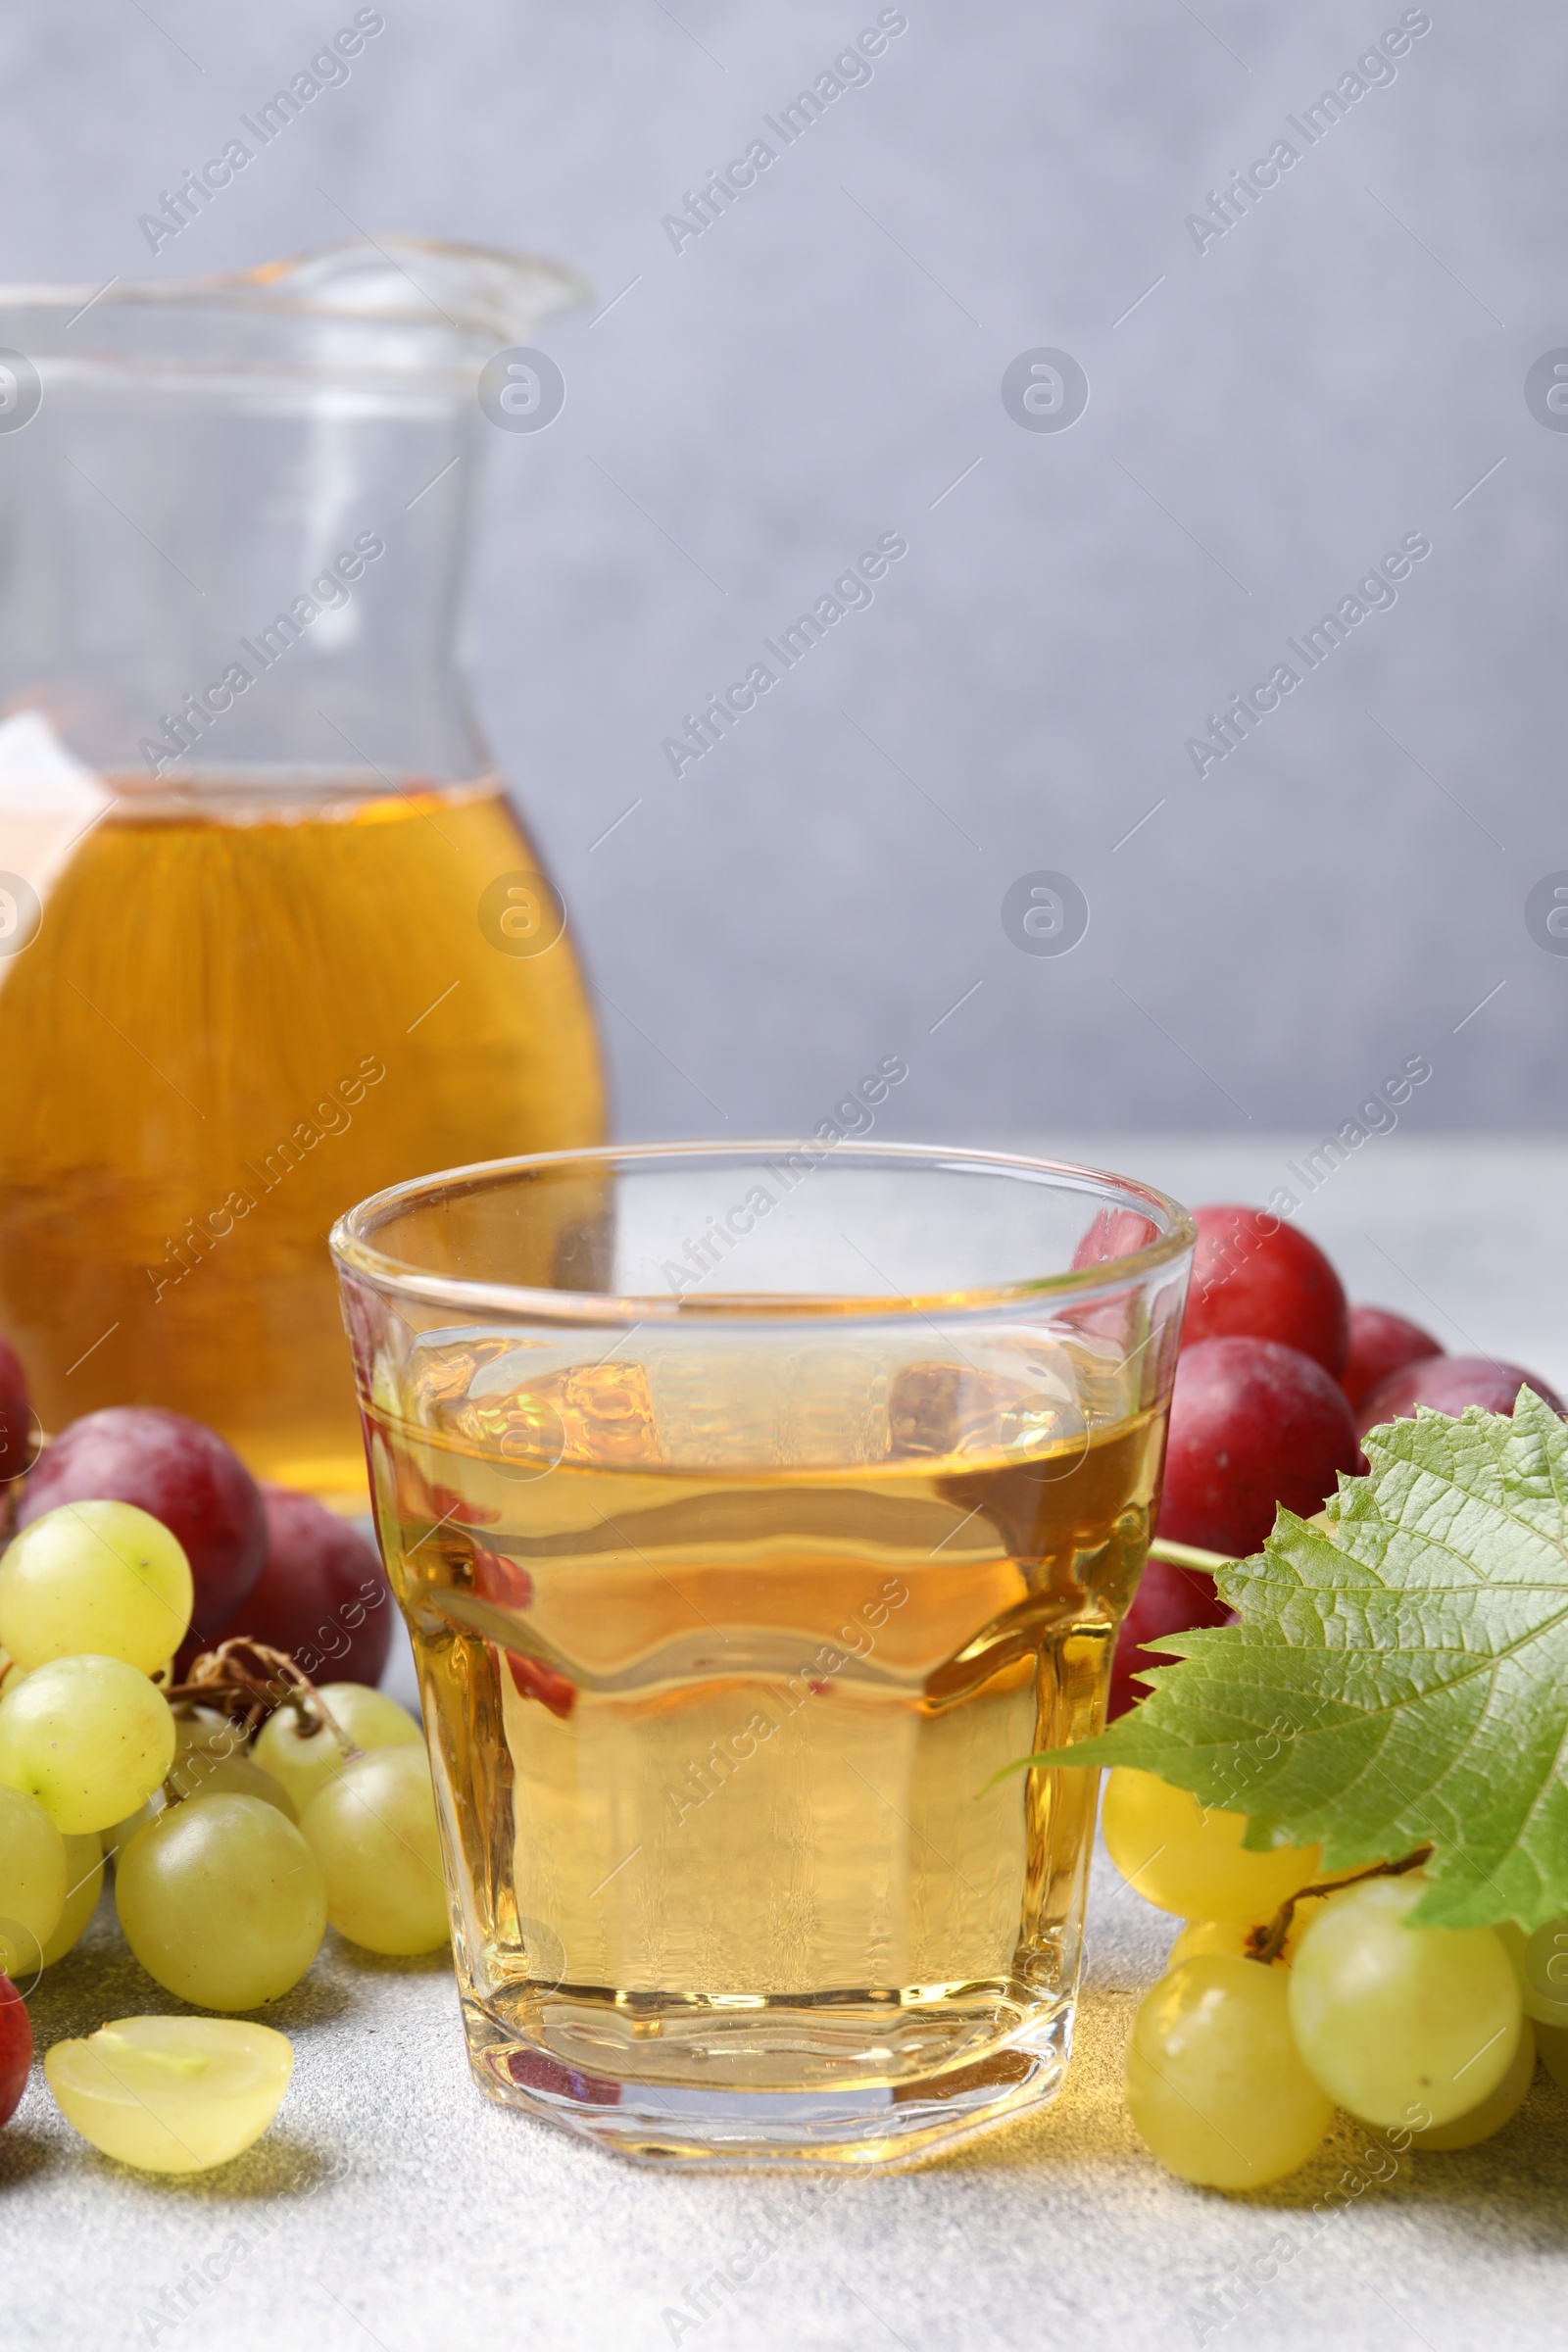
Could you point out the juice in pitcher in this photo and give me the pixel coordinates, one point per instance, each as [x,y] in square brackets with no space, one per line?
[272,934]
[243,1010]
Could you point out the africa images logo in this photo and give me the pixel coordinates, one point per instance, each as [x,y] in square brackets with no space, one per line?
[1228,207]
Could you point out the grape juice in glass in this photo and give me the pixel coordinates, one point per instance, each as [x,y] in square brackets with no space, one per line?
[752,1509]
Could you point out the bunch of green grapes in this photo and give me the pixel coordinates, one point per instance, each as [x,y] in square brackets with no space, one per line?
[230,1857]
[1237,2063]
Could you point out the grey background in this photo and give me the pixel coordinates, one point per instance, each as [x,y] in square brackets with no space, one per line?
[822,365]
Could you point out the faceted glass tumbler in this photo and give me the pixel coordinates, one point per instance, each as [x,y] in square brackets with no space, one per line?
[753,1511]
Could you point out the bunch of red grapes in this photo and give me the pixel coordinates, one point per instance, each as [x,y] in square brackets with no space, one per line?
[1278,1379]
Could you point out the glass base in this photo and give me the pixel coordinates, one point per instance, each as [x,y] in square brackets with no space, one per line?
[852,2128]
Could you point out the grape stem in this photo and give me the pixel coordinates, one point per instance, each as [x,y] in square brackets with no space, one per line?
[1187,1555]
[248,1680]
[1267,1943]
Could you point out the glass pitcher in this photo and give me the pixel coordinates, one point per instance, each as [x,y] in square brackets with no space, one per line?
[272,936]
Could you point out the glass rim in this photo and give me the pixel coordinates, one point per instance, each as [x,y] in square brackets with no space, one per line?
[269,287]
[354,1252]
[486,297]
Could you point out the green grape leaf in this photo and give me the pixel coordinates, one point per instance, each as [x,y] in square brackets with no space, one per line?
[1399,1677]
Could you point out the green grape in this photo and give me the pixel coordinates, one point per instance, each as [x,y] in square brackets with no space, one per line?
[304,1760]
[1392,2019]
[88,1736]
[120,1834]
[1499,2107]
[1187,1859]
[372,1829]
[221,1901]
[103,1579]
[199,1773]
[84,1874]
[1302,1919]
[211,1753]
[172,2094]
[1541,1964]
[1201,1936]
[203,1731]
[1552,2045]
[34,1880]
[1214,2082]
[1232,1934]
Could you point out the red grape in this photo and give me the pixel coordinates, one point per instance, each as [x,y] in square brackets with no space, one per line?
[19,1423]
[16,2049]
[1256,1277]
[321,1596]
[1251,1425]
[1382,1343]
[1168,1600]
[1449,1383]
[178,1472]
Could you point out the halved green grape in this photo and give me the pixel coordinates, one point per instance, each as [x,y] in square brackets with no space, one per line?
[1187,1859]
[85,1882]
[172,2094]
[1392,2019]
[1541,1964]
[372,1829]
[1551,2046]
[88,1736]
[1215,2084]
[199,1773]
[1500,2106]
[305,1761]
[221,1901]
[34,1880]
[98,1579]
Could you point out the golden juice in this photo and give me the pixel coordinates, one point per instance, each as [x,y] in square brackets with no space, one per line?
[716,1749]
[244,1012]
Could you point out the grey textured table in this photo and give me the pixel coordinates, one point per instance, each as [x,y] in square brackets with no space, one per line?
[392,2206]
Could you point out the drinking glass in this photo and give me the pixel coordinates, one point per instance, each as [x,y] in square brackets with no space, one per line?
[753,1510]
